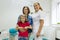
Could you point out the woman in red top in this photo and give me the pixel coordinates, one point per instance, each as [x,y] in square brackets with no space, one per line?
[23,25]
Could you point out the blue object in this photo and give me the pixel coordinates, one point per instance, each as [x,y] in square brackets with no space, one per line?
[13,31]
[23,38]
[31,23]
[44,38]
[13,34]
[30,20]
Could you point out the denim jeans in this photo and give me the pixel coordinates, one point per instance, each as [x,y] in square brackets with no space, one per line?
[23,38]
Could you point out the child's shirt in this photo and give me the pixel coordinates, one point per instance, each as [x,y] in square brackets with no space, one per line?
[20,24]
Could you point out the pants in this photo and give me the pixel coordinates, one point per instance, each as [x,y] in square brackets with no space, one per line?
[23,38]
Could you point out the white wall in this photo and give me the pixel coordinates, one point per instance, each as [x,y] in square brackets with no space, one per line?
[8,14]
[11,9]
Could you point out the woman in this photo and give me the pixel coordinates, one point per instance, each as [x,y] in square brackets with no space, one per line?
[38,21]
[26,12]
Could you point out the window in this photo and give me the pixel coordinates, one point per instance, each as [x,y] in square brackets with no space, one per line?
[56,13]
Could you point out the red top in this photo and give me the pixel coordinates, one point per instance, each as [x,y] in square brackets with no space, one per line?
[23,34]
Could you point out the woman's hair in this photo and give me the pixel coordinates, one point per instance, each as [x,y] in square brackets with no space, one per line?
[27,8]
[25,18]
[39,6]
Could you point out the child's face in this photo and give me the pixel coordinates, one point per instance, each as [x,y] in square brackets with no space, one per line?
[23,18]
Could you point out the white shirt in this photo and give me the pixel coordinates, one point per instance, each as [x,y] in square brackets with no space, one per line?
[36,20]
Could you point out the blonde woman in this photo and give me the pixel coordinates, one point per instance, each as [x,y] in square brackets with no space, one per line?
[38,21]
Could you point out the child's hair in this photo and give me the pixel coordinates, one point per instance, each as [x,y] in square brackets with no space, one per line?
[25,18]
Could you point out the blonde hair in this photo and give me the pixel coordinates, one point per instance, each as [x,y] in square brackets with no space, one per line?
[25,18]
[39,6]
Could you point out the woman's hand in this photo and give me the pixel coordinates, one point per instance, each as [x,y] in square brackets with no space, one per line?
[38,34]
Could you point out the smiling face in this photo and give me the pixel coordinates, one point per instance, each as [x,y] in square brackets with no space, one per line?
[36,6]
[26,10]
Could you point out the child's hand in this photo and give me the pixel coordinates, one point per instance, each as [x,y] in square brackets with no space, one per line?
[21,29]
[26,27]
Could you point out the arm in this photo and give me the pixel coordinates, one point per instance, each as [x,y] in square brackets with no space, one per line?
[28,27]
[31,21]
[17,27]
[41,21]
[20,28]
[41,25]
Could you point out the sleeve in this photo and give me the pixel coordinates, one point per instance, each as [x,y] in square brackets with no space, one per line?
[31,22]
[41,15]
[30,19]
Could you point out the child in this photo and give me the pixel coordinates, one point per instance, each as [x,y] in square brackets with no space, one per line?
[23,25]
